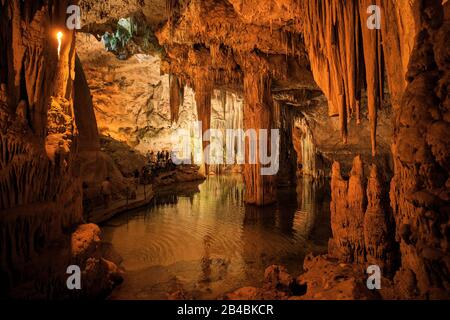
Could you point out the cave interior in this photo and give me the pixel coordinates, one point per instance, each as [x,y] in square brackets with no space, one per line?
[358,91]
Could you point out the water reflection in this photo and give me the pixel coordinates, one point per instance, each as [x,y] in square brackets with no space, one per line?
[205,240]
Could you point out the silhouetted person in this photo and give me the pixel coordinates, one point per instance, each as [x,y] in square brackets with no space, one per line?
[152,156]
[144,174]
[167,155]
[106,190]
[170,164]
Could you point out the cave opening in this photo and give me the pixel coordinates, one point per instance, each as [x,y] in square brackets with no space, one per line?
[224,149]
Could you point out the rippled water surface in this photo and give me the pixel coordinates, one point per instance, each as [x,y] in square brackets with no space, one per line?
[203,240]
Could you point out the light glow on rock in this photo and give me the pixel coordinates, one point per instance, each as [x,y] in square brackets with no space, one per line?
[59,37]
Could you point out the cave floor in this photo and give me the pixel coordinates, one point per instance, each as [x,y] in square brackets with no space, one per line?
[202,242]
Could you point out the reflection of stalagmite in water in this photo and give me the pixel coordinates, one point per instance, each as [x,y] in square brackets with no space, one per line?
[254,239]
[306,205]
[229,189]
[285,216]
[313,209]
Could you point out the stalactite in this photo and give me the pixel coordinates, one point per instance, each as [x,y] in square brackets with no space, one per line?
[171,9]
[203,87]
[176,97]
[371,43]
[332,47]
[332,32]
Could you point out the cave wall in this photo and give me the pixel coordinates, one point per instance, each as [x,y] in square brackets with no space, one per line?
[227,113]
[318,140]
[35,152]
[41,194]
[137,106]
[419,187]
[419,190]
[131,99]
[284,118]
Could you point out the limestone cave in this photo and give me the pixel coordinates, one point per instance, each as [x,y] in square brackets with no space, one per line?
[224,150]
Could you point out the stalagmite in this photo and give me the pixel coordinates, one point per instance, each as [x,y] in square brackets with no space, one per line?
[347,213]
[378,236]
[356,209]
[338,244]
[362,229]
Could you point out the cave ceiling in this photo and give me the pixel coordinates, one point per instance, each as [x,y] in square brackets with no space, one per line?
[216,35]
[299,45]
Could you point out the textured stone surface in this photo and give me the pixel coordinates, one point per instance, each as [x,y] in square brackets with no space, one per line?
[362,225]
[259,50]
[131,99]
[419,188]
[41,196]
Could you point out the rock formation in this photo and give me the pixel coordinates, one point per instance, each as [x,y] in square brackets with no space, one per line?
[379,242]
[351,57]
[419,188]
[338,78]
[41,196]
[260,190]
[361,224]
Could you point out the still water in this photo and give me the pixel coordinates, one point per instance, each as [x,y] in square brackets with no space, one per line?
[203,240]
